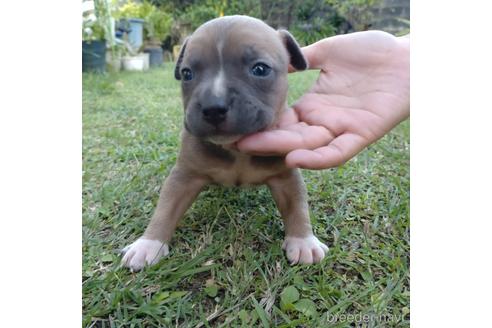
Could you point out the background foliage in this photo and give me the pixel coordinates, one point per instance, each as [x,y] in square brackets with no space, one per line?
[309,20]
[170,21]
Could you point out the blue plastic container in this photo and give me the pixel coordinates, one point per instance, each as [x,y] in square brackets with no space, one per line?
[94,56]
[135,35]
[155,56]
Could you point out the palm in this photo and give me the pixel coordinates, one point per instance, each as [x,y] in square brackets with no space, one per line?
[361,93]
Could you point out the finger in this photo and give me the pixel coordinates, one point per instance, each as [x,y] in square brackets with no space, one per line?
[317,53]
[288,117]
[285,140]
[316,109]
[337,152]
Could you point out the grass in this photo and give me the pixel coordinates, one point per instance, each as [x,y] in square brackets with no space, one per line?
[226,267]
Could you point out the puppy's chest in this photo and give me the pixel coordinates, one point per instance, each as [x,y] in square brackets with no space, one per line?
[246,171]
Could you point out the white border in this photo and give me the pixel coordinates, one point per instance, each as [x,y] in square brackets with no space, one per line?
[40,173]
[450,163]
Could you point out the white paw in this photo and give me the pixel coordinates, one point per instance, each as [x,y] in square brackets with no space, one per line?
[143,252]
[307,250]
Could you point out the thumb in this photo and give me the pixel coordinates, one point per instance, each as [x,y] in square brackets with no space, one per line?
[315,54]
[318,53]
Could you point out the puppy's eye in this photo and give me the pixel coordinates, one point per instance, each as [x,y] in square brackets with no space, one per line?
[261,69]
[187,74]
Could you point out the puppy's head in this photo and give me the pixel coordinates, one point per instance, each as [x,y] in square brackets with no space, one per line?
[233,73]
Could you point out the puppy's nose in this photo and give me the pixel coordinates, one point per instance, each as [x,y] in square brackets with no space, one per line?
[215,114]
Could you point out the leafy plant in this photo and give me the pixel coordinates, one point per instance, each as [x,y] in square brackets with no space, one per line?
[288,297]
[132,9]
[158,22]
[315,20]
[196,15]
[245,7]
[98,23]
[158,25]
[358,12]
[405,30]
[289,302]
[92,28]
[309,32]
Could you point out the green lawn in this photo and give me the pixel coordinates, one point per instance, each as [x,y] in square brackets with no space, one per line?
[226,266]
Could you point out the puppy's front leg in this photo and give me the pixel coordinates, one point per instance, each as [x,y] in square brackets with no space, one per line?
[177,194]
[290,194]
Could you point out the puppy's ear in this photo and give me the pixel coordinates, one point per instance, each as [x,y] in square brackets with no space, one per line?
[177,69]
[297,59]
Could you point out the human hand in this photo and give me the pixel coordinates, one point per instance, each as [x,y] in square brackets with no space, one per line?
[362,92]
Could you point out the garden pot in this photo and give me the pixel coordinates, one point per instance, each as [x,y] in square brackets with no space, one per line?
[114,64]
[135,35]
[145,58]
[94,56]
[135,63]
[155,56]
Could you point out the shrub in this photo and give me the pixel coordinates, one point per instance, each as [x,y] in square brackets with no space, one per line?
[358,12]
[196,15]
[158,25]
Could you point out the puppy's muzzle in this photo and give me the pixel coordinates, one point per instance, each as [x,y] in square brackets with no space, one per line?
[214,111]
[215,115]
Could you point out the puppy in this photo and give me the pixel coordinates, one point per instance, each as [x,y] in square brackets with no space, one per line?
[233,73]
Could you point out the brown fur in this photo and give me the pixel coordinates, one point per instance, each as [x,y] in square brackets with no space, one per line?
[200,162]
